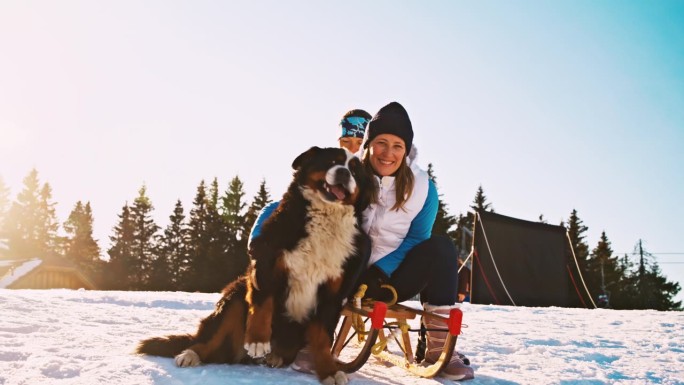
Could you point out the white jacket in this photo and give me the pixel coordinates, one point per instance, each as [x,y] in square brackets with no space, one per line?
[394,232]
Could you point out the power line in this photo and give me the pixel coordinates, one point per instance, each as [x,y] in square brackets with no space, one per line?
[675,262]
[632,252]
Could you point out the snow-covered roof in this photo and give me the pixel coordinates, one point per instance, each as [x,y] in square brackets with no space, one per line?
[13,274]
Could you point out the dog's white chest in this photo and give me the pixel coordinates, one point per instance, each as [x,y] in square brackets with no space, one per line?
[318,258]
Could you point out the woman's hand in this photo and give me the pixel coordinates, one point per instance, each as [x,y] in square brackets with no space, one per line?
[374,278]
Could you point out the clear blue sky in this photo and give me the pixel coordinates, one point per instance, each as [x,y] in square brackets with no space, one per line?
[550,106]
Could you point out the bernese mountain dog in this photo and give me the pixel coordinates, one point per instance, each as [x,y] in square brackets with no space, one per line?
[305,263]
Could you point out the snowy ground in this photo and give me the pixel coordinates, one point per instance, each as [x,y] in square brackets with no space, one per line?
[87,337]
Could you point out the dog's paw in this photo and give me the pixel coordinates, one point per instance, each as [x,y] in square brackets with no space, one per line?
[339,378]
[258,349]
[273,360]
[187,358]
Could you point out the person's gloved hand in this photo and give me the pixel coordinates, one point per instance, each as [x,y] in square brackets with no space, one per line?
[374,278]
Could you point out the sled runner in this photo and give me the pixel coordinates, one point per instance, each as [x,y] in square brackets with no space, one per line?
[357,317]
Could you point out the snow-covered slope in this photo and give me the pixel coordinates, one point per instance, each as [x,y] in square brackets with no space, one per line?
[88,337]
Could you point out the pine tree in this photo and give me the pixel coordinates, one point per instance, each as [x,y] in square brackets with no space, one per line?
[628,291]
[197,238]
[22,222]
[606,275]
[49,225]
[171,265]
[648,288]
[215,276]
[480,201]
[144,246]
[659,292]
[260,201]
[233,207]
[444,222]
[31,226]
[468,221]
[4,213]
[576,231]
[120,265]
[236,225]
[205,268]
[80,246]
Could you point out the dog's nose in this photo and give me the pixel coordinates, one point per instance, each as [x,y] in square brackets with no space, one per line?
[342,175]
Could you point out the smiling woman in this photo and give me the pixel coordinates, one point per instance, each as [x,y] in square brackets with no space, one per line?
[405,255]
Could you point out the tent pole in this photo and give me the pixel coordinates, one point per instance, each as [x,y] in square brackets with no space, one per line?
[567,235]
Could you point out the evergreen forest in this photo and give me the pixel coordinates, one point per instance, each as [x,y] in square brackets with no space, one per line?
[205,247]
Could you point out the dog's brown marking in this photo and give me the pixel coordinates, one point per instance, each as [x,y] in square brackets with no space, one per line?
[320,344]
[259,322]
[314,178]
[334,285]
[280,270]
[251,286]
[231,326]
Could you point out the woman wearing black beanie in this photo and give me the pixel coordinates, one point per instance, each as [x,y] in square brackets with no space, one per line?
[399,222]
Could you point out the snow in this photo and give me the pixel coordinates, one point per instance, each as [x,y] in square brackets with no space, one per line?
[13,275]
[88,337]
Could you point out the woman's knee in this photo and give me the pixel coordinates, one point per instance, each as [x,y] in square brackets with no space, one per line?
[443,248]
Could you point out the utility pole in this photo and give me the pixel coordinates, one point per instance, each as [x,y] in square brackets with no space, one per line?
[642,267]
[603,298]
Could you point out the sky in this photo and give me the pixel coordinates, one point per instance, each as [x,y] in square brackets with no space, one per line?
[73,337]
[549,106]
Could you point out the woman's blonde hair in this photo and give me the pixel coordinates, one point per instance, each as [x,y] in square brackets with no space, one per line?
[403,181]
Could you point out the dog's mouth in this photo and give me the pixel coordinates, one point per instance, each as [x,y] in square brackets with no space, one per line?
[335,192]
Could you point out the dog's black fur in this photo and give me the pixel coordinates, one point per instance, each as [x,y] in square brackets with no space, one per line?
[312,238]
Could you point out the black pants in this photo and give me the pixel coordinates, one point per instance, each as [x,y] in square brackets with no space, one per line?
[431,270]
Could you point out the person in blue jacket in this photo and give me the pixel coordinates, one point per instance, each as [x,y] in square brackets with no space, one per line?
[399,221]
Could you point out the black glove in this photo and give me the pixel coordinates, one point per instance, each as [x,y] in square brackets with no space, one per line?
[374,278]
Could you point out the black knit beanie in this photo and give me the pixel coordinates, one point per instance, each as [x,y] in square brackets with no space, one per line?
[391,119]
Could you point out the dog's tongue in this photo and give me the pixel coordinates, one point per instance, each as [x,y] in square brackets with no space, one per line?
[338,192]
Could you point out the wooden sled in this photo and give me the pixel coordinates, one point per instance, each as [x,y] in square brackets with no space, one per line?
[375,341]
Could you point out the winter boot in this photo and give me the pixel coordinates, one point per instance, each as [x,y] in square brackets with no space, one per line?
[458,368]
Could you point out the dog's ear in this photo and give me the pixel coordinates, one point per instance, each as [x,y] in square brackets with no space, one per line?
[366,186]
[305,156]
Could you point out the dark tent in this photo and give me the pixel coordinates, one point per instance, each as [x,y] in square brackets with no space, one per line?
[523,263]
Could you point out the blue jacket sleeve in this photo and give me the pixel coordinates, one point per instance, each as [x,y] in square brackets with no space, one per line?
[263,216]
[420,230]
